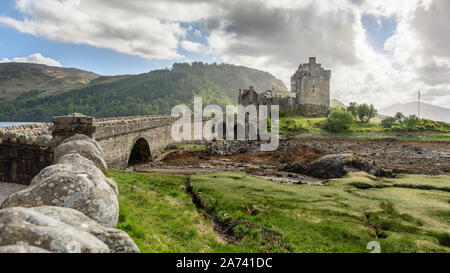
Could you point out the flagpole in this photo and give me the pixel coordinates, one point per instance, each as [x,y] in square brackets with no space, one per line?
[418,105]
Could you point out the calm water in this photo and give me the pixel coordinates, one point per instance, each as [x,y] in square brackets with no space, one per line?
[6,124]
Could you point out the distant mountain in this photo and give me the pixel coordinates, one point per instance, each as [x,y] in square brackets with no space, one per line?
[427,111]
[155,92]
[335,103]
[18,78]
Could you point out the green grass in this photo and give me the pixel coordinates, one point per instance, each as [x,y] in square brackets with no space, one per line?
[262,216]
[160,217]
[338,217]
[310,127]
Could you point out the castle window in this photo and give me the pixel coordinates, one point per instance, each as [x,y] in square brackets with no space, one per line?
[314,88]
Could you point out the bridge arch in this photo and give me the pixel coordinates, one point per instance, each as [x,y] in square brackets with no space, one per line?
[140,152]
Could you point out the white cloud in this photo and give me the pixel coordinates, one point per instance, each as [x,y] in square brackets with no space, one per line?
[119,25]
[272,35]
[277,36]
[195,47]
[35,58]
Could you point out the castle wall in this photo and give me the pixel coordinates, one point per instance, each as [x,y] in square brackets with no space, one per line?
[248,97]
[314,90]
[311,83]
[286,104]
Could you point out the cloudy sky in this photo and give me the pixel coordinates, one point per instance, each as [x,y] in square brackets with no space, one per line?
[379,51]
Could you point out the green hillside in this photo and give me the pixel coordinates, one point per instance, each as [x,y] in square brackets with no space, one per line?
[18,79]
[155,92]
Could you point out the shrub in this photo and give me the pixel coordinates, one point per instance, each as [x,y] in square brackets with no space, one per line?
[388,122]
[362,113]
[290,125]
[399,117]
[412,123]
[338,121]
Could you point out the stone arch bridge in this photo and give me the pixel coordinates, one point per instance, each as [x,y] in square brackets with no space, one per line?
[26,150]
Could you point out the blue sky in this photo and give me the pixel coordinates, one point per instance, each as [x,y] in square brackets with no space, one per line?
[109,62]
[96,59]
[395,47]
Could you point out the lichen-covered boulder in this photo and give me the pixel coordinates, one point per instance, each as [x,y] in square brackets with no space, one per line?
[74,158]
[77,159]
[84,146]
[117,240]
[334,166]
[22,226]
[22,249]
[74,186]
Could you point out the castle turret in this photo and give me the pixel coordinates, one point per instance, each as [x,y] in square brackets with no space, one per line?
[311,83]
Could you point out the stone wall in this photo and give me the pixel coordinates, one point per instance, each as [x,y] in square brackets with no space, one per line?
[24,151]
[69,207]
[313,110]
[118,136]
[20,163]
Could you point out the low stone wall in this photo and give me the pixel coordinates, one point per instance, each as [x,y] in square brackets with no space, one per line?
[24,151]
[312,110]
[70,207]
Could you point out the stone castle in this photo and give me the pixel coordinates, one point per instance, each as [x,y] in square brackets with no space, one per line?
[309,96]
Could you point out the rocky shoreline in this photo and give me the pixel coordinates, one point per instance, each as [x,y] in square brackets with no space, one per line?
[293,162]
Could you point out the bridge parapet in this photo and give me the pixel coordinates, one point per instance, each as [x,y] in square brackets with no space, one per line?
[67,126]
[114,127]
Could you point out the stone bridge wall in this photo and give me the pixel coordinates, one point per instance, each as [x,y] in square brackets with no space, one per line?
[118,136]
[26,150]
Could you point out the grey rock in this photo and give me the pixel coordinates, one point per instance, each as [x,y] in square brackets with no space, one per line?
[84,146]
[74,158]
[22,226]
[10,136]
[31,140]
[334,166]
[21,138]
[77,186]
[85,138]
[22,249]
[77,159]
[117,240]
[43,141]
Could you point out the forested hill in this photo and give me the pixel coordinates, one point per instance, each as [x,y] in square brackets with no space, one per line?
[16,78]
[155,92]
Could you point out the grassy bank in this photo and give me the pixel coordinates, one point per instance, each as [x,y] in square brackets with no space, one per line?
[342,216]
[312,127]
[159,215]
[407,214]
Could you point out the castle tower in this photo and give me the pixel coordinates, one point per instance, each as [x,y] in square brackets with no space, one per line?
[311,83]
